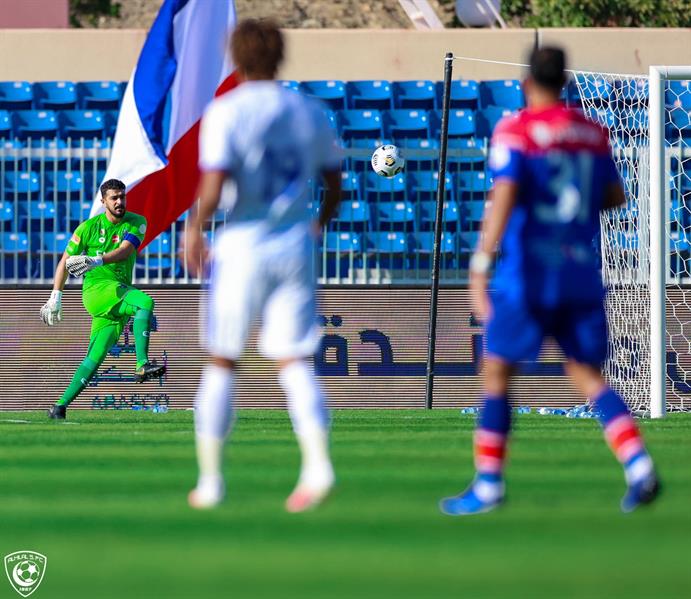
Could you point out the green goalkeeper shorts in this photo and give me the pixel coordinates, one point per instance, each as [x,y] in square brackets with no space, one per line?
[104,301]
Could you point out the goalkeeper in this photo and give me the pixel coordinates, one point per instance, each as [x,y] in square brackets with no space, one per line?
[104,249]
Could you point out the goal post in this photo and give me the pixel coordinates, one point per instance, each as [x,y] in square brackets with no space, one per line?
[660,235]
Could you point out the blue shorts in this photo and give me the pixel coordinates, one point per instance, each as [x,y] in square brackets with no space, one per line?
[516,330]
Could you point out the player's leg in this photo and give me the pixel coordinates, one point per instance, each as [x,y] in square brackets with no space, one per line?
[140,306]
[513,334]
[583,338]
[621,433]
[289,335]
[235,291]
[104,334]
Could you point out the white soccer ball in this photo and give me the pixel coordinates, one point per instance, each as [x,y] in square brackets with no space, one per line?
[387,161]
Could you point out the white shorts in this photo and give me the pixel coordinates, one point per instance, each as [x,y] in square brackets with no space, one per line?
[266,277]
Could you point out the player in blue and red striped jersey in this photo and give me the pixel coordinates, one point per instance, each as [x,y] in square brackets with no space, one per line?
[553,175]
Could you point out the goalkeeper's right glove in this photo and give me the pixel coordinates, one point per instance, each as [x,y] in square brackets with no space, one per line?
[79,265]
[51,312]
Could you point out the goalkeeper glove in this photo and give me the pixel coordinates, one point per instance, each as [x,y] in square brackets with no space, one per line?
[51,312]
[78,265]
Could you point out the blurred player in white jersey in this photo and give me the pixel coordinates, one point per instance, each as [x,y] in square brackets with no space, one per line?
[260,144]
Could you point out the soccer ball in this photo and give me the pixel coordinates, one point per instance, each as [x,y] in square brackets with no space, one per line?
[27,571]
[387,161]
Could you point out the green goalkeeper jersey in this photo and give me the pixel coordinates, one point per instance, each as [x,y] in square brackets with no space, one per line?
[98,236]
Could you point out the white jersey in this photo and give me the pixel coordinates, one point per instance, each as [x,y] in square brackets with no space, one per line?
[270,141]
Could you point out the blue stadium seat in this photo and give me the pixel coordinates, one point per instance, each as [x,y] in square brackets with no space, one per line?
[361,161]
[472,213]
[331,92]
[16,95]
[449,215]
[414,94]
[506,93]
[369,94]
[47,154]
[461,123]
[341,242]
[43,215]
[403,123]
[422,244]
[467,242]
[14,248]
[290,84]
[55,95]
[379,188]
[465,93]
[76,211]
[487,119]
[21,184]
[110,122]
[351,186]
[8,218]
[52,245]
[81,123]
[35,124]
[394,215]
[11,155]
[465,153]
[55,241]
[420,154]
[5,125]
[572,96]
[359,124]
[473,185]
[63,185]
[594,89]
[678,93]
[98,95]
[390,248]
[332,117]
[632,91]
[352,215]
[679,125]
[602,116]
[422,185]
[157,259]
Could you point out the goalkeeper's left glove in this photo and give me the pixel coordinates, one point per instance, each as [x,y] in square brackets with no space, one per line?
[51,312]
[78,265]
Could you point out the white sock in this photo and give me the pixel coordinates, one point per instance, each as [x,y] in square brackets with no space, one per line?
[213,417]
[308,412]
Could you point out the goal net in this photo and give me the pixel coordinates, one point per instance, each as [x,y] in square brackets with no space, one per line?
[645,245]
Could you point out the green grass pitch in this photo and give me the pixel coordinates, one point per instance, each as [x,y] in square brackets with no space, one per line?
[103,496]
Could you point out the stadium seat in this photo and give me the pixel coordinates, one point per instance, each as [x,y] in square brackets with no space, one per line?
[55,95]
[63,185]
[679,125]
[472,213]
[352,215]
[420,154]
[465,93]
[35,124]
[405,123]
[342,249]
[428,214]
[487,118]
[593,89]
[678,93]
[632,91]
[110,122]
[8,218]
[351,186]
[360,161]
[384,189]
[76,211]
[394,215]
[332,117]
[390,248]
[505,93]
[21,184]
[5,125]
[465,153]
[467,242]
[359,124]
[98,95]
[603,116]
[473,185]
[16,95]
[414,94]
[157,260]
[15,255]
[571,94]
[369,94]
[331,92]
[42,216]
[422,245]
[11,155]
[290,84]
[81,123]
[422,186]
[461,123]
[52,245]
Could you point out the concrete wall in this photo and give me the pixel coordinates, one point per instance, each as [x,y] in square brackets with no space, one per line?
[37,55]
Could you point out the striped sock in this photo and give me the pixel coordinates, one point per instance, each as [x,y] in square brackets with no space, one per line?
[623,436]
[490,440]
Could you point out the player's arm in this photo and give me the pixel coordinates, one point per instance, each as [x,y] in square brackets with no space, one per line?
[332,179]
[120,254]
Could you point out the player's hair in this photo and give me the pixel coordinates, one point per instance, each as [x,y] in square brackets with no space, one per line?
[257,47]
[114,184]
[547,68]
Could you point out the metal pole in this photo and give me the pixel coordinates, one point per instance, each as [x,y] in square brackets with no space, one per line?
[436,255]
[658,249]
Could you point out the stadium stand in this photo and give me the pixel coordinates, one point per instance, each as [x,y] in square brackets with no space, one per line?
[55,140]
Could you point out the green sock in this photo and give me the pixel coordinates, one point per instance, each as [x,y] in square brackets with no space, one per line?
[141,327]
[86,370]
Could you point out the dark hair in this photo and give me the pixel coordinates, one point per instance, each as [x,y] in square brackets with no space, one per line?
[257,47]
[547,68]
[115,184]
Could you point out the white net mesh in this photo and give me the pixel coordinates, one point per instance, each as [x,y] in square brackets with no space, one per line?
[620,103]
